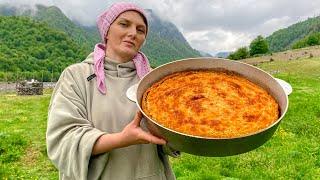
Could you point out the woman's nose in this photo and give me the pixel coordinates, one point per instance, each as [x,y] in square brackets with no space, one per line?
[132,32]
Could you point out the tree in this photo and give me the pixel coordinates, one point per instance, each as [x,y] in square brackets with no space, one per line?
[313,39]
[310,40]
[258,46]
[240,53]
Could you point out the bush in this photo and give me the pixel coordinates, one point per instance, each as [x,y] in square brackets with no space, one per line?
[241,53]
[310,40]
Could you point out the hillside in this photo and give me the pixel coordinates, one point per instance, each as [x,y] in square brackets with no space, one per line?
[283,39]
[32,49]
[223,54]
[164,43]
[286,56]
[54,17]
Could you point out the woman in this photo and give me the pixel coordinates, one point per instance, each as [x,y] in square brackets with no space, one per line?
[93,129]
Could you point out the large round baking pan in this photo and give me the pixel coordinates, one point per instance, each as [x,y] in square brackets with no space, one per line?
[214,146]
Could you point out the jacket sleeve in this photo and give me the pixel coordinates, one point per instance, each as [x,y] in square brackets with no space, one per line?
[70,135]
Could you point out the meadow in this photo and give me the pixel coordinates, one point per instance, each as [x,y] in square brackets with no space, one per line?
[292,153]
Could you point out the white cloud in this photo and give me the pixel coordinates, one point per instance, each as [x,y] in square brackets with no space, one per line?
[217,40]
[208,25]
[273,24]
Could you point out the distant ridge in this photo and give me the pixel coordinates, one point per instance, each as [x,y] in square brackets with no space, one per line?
[283,39]
[223,54]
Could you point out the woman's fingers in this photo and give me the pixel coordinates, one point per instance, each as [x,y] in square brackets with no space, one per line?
[137,135]
[149,138]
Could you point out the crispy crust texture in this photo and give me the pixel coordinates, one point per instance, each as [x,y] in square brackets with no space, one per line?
[210,103]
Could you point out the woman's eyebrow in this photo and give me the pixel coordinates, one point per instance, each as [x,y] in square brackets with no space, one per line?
[123,19]
[126,20]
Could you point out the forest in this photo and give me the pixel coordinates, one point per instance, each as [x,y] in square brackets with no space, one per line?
[31,49]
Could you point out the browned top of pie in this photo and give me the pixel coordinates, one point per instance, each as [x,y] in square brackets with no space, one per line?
[210,104]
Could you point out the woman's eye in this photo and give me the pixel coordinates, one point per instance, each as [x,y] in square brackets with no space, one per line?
[123,24]
[141,31]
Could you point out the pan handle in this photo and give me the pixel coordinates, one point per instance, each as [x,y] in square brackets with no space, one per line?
[285,85]
[131,92]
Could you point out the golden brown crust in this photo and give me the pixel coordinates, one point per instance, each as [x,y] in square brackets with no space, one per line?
[210,104]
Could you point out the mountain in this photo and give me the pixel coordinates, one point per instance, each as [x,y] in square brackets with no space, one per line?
[204,54]
[312,39]
[223,54]
[32,49]
[54,17]
[6,10]
[283,39]
[164,42]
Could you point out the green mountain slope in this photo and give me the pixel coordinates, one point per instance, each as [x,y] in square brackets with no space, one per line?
[54,17]
[283,39]
[164,43]
[31,48]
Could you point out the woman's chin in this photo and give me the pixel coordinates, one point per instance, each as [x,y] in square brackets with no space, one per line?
[130,52]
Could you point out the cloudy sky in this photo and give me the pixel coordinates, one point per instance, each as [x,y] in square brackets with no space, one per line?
[208,25]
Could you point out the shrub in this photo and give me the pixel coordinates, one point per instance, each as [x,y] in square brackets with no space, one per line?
[241,53]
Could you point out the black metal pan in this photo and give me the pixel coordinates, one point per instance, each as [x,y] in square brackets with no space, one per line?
[214,146]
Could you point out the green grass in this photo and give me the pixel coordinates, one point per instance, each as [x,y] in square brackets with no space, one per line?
[292,153]
[22,137]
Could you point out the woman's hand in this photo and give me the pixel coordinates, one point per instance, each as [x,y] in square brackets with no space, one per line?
[131,134]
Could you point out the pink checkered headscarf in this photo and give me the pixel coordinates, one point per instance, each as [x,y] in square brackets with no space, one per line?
[104,21]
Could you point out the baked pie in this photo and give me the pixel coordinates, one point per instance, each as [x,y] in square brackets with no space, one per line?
[210,103]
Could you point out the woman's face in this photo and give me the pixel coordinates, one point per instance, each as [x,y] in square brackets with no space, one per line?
[125,36]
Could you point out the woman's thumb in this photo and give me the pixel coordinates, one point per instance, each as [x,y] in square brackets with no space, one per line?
[137,118]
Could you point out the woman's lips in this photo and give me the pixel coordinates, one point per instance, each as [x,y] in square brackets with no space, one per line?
[129,43]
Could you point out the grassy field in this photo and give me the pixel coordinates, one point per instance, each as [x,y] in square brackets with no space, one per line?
[22,137]
[292,153]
